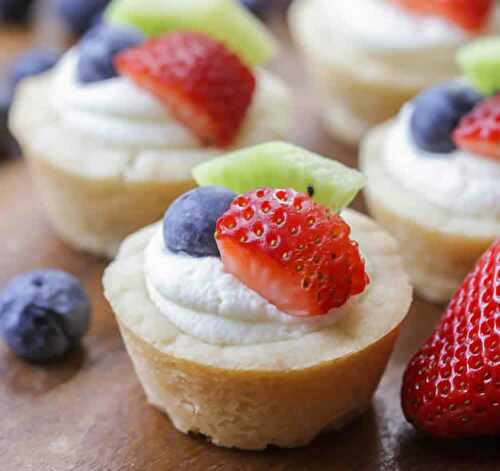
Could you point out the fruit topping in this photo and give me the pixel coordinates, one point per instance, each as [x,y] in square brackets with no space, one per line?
[26,64]
[224,20]
[479,130]
[280,165]
[470,15]
[189,223]
[98,48]
[203,84]
[80,15]
[5,136]
[43,314]
[29,63]
[295,253]
[257,7]
[436,113]
[451,388]
[15,10]
[480,61]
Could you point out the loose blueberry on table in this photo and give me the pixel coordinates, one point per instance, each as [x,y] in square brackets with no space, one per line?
[43,314]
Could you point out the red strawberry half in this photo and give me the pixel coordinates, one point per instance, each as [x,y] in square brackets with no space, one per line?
[451,388]
[479,130]
[297,254]
[471,15]
[203,84]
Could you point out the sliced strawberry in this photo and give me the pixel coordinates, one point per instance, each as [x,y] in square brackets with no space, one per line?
[203,84]
[479,130]
[471,15]
[297,254]
[451,388]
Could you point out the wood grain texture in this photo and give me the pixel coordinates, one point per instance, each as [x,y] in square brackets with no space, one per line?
[88,413]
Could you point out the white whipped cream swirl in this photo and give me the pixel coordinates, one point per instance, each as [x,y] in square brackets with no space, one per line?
[121,114]
[116,110]
[383,25]
[459,181]
[203,301]
[379,39]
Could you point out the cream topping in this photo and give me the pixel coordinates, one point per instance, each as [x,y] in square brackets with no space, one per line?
[203,301]
[459,181]
[124,115]
[378,38]
[383,25]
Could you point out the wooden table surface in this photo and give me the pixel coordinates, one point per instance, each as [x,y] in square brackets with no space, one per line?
[88,412]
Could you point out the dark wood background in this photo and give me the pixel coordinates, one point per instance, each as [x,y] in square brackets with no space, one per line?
[89,413]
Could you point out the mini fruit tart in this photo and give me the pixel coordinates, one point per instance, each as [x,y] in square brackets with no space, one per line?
[112,133]
[261,318]
[433,177]
[371,56]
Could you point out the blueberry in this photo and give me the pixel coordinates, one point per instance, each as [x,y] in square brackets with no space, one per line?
[189,223]
[16,11]
[257,7]
[29,63]
[5,137]
[80,15]
[43,314]
[98,48]
[436,114]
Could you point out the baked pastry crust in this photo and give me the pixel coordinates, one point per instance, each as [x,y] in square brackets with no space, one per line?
[281,393]
[96,193]
[438,246]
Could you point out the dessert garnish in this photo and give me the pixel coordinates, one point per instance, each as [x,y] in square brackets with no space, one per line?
[189,223]
[470,15]
[43,314]
[453,115]
[30,63]
[224,20]
[480,62]
[201,82]
[79,15]
[295,253]
[283,165]
[479,130]
[258,7]
[436,113]
[98,48]
[451,388]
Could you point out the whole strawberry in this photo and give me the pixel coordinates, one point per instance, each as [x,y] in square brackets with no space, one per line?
[202,83]
[451,388]
[295,253]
